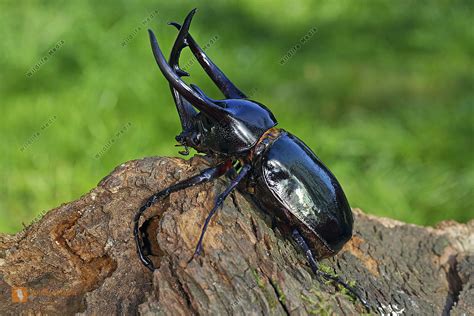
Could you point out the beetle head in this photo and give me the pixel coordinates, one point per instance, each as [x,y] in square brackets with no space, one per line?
[229,126]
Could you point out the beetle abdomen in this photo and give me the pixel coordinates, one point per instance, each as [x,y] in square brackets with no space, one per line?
[308,192]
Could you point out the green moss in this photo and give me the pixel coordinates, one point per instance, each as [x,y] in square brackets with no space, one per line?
[281,295]
[317,306]
[327,269]
[272,302]
[258,279]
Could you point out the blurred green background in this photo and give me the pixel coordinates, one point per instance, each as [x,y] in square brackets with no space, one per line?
[382,92]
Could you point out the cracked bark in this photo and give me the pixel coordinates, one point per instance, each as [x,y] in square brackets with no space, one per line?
[80,257]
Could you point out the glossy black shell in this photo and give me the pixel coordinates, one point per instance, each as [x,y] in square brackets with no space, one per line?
[239,128]
[295,186]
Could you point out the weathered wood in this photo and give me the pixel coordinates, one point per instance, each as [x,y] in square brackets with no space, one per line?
[80,257]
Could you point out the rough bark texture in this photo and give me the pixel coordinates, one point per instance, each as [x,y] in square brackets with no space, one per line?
[81,258]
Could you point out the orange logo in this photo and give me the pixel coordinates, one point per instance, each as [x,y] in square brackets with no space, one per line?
[19,294]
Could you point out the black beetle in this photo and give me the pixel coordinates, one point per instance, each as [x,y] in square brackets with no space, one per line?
[282,174]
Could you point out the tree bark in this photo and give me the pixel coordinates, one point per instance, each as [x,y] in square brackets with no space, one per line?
[81,257]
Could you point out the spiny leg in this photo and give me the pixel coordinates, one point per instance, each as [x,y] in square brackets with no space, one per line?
[219,200]
[314,266]
[220,79]
[204,176]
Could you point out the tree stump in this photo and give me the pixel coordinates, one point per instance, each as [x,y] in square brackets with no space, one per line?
[81,257]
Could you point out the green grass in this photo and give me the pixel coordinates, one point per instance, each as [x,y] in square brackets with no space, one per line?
[382,92]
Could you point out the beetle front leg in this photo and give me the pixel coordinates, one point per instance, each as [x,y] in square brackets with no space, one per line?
[205,176]
[219,200]
[314,266]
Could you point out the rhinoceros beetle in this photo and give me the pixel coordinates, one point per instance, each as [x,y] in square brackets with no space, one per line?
[283,176]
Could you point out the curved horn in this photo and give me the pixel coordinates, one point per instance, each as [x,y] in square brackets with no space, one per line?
[185,109]
[220,79]
[180,43]
[189,94]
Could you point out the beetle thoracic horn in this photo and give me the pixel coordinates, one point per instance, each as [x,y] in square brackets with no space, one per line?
[185,109]
[220,79]
[189,94]
[179,44]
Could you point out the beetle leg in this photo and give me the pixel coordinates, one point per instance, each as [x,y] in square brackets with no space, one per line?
[220,79]
[219,200]
[314,266]
[232,173]
[204,176]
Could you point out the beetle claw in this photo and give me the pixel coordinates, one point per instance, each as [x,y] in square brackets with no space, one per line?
[320,275]
[197,253]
